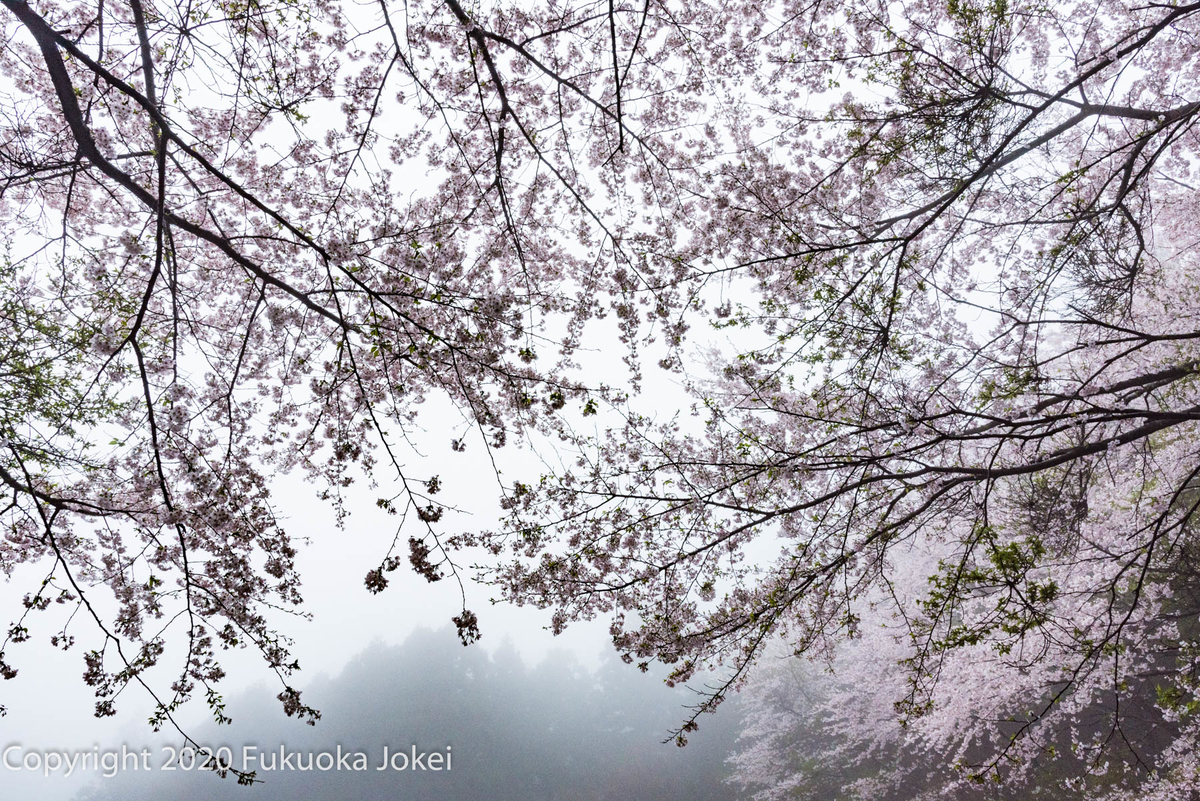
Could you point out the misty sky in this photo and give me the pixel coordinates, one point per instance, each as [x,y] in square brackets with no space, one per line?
[527,714]
[555,730]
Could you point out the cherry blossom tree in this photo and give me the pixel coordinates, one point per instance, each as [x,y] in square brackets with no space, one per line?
[951,257]
[923,274]
[824,725]
[218,268]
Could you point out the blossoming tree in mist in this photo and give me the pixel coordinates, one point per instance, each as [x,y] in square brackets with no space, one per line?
[924,273]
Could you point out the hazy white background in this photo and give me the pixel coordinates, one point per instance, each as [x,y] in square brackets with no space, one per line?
[50,708]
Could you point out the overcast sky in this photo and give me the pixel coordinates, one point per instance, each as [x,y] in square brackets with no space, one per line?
[507,730]
[50,708]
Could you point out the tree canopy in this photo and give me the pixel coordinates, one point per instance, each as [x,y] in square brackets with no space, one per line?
[782,293]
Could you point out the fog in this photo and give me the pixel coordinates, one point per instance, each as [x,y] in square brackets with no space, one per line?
[554,730]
